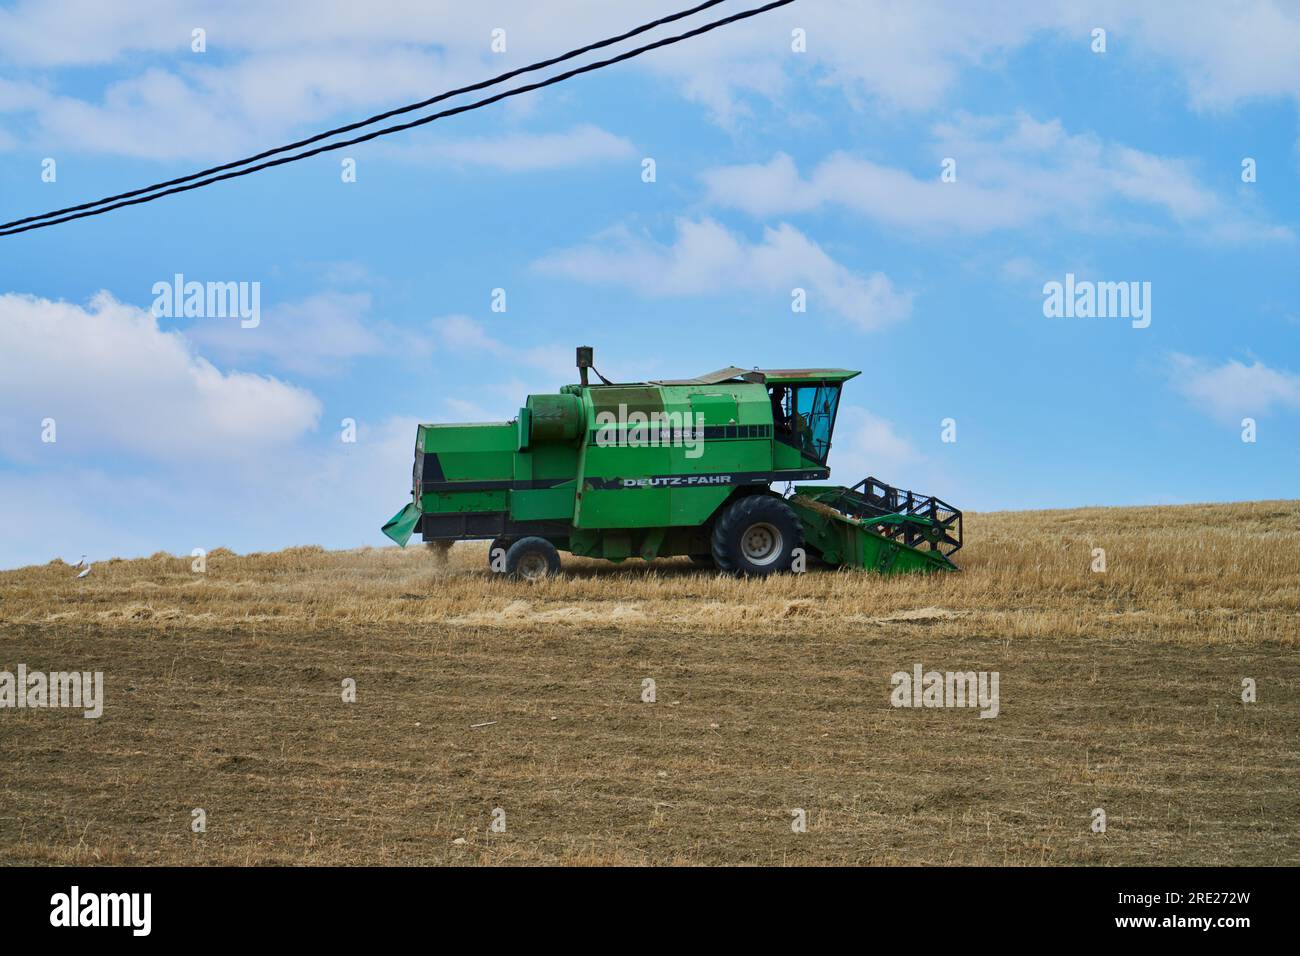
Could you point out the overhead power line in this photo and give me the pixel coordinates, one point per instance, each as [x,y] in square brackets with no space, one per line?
[377,118]
[197,180]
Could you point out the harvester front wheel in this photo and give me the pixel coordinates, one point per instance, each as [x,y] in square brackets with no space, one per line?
[531,559]
[757,535]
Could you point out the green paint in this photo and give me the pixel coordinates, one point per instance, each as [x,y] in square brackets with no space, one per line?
[640,470]
[400,526]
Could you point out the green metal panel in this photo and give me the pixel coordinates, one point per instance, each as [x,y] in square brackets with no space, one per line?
[608,501]
[630,398]
[542,504]
[715,409]
[448,502]
[627,468]
[523,468]
[523,429]
[472,452]
[787,456]
[554,461]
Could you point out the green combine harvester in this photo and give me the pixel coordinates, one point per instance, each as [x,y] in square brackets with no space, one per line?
[657,469]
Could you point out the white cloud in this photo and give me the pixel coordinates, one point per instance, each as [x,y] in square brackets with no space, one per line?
[890,56]
[270,70]
[866,444]
[1011,172]
[117,385]
[21,96]
[889,195]
[273,67]
[911,56]
[513,371]
[463,336]
[344,491]
[205,112]
[461,333]
[1234,390]
[327,492]
[318,335]
[153,115]
[1228,52]
[1020,269]
[88,32]
[521,152]
[199,112]
[706,259]
[272,73]
[158,449]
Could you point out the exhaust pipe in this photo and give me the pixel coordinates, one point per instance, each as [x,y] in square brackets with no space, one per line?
[585,358]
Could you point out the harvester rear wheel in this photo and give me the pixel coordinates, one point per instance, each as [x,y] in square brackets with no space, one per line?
[531,559]
[758,535]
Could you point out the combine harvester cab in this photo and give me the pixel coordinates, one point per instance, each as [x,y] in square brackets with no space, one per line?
[657,469]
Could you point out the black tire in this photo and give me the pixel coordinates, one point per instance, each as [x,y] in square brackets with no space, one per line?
[502,545]
[531,559]
[756,535]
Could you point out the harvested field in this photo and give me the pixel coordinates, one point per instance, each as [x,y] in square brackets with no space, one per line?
[1119,690]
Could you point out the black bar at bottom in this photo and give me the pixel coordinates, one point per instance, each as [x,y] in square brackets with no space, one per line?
[944,907]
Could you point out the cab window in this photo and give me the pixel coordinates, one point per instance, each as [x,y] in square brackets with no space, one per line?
[803,416]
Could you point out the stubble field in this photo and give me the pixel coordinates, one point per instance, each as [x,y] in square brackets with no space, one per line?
[480,699]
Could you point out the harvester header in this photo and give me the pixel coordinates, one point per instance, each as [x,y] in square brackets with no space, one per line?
[663,468]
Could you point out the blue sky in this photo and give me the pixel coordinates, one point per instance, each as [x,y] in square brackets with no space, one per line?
[775,169]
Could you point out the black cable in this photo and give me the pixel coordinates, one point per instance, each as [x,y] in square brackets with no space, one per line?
[527,88]
[542,64]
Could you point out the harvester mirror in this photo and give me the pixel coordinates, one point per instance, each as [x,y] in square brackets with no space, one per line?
[585,360]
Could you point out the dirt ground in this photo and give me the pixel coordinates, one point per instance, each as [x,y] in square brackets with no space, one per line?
[480,700]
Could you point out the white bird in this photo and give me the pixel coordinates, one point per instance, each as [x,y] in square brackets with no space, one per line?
[81,563]
[85,571]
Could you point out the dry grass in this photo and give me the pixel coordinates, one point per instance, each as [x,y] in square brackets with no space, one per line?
[1119,690]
